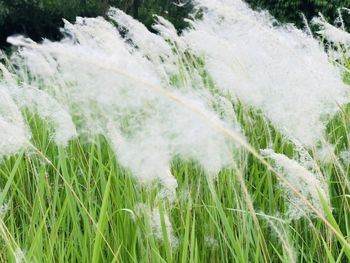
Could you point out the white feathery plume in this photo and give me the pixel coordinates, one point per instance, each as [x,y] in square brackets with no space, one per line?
[279,70]
[115,90]
[330,32]
[307,183]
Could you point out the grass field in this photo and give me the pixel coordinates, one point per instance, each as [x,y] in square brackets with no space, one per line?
[76,204]
[283,198]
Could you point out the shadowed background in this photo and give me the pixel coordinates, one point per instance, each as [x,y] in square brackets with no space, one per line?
[42,18]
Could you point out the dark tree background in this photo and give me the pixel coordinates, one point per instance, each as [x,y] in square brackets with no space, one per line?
[290,10]
[42,18]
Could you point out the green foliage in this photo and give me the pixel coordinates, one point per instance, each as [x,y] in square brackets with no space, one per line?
[79,205]
[143,10]
[43,18]
[290,10]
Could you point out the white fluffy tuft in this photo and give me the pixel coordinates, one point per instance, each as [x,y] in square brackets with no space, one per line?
[279,70]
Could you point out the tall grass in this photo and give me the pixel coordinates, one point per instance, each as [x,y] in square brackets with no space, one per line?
[77,204]
[157,148]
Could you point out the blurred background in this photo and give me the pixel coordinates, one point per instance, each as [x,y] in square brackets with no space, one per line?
[42,18]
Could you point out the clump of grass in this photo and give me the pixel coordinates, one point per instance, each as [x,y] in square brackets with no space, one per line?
[79,200]
[165,163]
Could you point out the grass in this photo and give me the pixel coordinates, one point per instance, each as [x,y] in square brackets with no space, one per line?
[76,204]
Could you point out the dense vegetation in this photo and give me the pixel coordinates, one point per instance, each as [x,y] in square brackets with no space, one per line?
[290,10]
[73,206]
[42,18]
[225,97]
